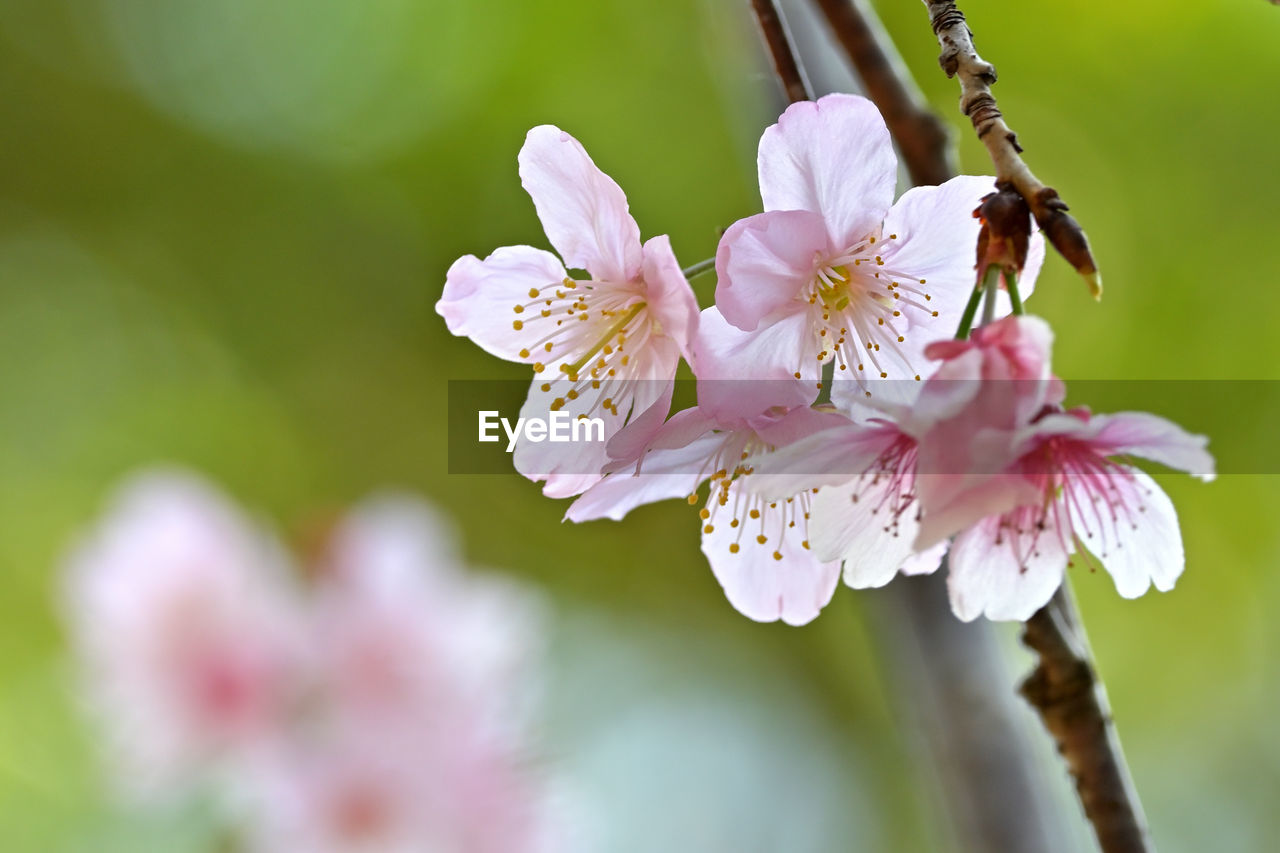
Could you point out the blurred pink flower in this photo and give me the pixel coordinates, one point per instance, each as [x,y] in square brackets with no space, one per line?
[834,269]
[418,730]
[386,708]
[181,616]
[607,346]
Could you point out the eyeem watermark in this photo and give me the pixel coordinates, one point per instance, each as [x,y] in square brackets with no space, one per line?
[559,427]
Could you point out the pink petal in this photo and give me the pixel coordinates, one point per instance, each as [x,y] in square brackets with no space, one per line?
[988,578]
[568,468]
[948,509]
[793,589]
[1154,438]
[849,523]
[480,298]
[627,445]
[832,157]
[668,294]
[583,211]
[741,374]
[832,457]
[1141,543]
[763,263]
[663,474]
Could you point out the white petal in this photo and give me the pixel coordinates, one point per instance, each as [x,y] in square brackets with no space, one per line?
[583,211]
[759,585]
[833,157]
[1003,575]
[480,300]
[1140,543]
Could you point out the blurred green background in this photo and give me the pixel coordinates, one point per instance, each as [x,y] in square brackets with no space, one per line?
[223,227]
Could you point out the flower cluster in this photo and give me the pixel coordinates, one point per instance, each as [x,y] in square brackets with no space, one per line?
[383,708]
[839,420]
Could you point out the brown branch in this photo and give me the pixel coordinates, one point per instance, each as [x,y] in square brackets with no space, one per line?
[922,137]
[774,28]
[960,59]
[1071,701]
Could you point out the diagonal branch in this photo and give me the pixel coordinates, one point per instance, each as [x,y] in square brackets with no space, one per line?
[774,28]
[976,75]
[922,137]
[1071,701]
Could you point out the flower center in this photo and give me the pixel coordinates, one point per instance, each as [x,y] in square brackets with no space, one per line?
[860,303]
[593,326]
[763,522]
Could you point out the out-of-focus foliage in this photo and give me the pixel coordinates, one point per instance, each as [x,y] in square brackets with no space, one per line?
[223,226]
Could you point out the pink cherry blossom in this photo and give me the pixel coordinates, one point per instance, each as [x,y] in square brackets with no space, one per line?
[984,389]
[834,270]
[758,549]
[181,619]
[1007,564]
[605,346]
[388,707]
[864,513]
[421,703]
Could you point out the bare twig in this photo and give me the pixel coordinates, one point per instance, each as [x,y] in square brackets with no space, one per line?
[774,28]
[960,59]
[922,137]
[1071,701]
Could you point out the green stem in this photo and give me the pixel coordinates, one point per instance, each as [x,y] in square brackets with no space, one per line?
[971,310]
[828,377]
[992,287]
[699,268]
[1011,282]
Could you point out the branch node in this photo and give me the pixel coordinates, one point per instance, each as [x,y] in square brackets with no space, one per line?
[959,59]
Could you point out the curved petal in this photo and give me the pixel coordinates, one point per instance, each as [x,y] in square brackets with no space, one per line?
[832,157]
[1139,542]
[741,374]
[832,457]
[948,509]
[925,562]
[567,467]
[779,579]
[480,298]
[1001,574]
[931,234]
[1154,438]
[583,211]
[630,442]
[765,261]
[668,294]
[663,474]
[855,522]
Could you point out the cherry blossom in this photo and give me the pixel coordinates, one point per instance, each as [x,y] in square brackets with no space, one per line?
[758,549]
[421,700]
[602,346]
[388,706]
[189,645]
[834,270]
[1007,565]
[864,513]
